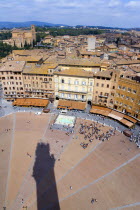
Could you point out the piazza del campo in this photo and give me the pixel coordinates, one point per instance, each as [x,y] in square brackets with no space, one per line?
[70,120]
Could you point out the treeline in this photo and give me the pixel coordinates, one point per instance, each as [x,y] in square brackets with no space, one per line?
[5,35]
[68,31]
[40,36]
[6,49]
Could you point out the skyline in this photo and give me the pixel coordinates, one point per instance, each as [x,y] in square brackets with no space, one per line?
[111,13]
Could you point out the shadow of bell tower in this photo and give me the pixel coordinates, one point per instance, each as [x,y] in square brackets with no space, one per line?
[43,163]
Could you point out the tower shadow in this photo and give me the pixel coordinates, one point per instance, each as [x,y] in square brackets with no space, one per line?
[44,163]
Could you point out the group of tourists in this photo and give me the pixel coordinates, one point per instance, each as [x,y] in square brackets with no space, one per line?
[93,132]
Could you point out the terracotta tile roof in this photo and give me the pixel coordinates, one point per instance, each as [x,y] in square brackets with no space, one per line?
[16,66]
[74,72]
[106,74]
[111,46]
[126,62]
[31,68]
[80,62]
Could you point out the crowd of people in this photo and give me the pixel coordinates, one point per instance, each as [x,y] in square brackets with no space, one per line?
[135,139]
[94,131]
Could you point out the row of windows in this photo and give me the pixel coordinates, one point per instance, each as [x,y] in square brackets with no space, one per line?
[12,83]
[76,88]
[36,78]
[14,93]
[126,97]
[13,88]
[103,85]
[69,96]
[76,82]
[103,100]
[10,72]
[36,85]
[7,78]
[127,89]
[101,93]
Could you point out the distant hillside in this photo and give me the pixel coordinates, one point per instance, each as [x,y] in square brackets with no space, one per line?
[26,24]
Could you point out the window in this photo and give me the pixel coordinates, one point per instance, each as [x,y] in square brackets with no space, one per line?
[102,85]
[129,89]
[16,83]
[113,87]
[62,95]
[76,82]
[127,98]
[69,95]
[134,91]
[97,84]
[69,81]
[106,94]
[83,97]
[45,79]
[19,78]
[112,94]
[83,89]
[119,87]
[101,93]
[62,81]
[96,92]
[76,88]
[107,86]
[123,88]
[132,99]
[83,83]
[90,83]
[76,97]
[50,79]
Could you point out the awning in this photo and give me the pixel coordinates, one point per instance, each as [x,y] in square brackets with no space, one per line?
[100,110]
[130,118]
[127,123]
[114,115]
[31,102]
[67,104]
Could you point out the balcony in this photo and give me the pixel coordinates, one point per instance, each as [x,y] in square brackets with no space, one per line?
[101,96]
[73,99]
[73,91]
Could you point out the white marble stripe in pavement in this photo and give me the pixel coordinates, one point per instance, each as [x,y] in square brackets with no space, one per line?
[128,205]
[10,158]
[102,177]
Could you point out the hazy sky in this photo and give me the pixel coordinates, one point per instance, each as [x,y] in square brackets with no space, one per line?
[122,13]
